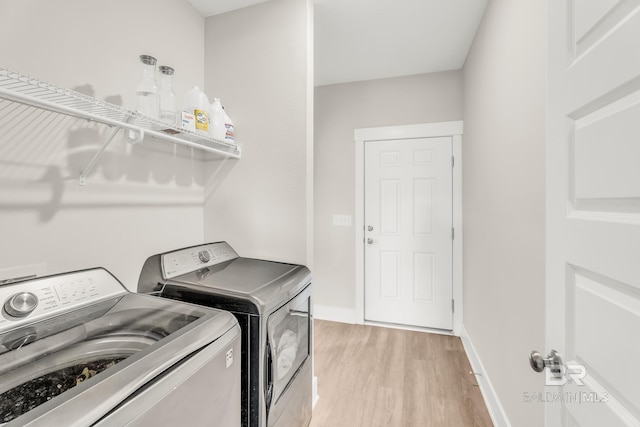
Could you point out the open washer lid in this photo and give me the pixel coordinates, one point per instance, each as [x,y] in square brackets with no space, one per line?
[74,346]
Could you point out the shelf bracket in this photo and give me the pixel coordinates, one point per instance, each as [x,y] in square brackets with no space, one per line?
[96,157]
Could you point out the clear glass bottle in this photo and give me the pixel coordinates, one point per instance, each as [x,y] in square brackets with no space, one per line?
[147,89]
[168,103]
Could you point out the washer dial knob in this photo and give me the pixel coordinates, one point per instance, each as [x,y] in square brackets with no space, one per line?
[21,304]
[205,256]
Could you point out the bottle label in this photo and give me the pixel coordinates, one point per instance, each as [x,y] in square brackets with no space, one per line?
[188,121]
[202,119]
[229,132]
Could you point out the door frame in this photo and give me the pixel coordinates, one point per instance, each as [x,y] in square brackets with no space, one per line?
[453,129]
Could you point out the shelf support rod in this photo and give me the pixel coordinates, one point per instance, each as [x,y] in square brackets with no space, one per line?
[96,157]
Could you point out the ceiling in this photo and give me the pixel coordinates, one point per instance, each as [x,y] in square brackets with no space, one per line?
[359,40]
[215,7]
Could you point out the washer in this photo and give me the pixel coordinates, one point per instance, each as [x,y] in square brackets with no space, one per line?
[272,302]
[78,349]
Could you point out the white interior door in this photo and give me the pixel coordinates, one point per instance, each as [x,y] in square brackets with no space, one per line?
[593,212]
[408,232]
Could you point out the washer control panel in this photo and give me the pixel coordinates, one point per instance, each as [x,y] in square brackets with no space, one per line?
[39,298]
[186,260]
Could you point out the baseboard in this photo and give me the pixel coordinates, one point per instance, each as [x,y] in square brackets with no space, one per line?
[334,314]
[408,328]
[491,399]
[314,392]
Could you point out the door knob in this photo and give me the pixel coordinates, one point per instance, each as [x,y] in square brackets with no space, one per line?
[369,241]
[553,362]
[370,228]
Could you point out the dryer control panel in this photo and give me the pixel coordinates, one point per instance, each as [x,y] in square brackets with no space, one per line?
[35,299]
[186,260]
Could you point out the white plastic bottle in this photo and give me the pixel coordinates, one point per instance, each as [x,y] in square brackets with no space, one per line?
[197,103]
[230,135]
[217,128]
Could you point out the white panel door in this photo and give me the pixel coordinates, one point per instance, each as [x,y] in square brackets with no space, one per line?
[593,213]
[408,224]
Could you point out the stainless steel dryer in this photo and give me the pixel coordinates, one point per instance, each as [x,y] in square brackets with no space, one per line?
[272,302]
[78,349]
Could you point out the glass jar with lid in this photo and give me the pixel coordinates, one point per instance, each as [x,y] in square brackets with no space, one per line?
[147,100]
[168,104]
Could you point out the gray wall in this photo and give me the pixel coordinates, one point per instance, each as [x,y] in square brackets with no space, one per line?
[140,199]
[503,200]
[257,62]
[150,197]
[339,109]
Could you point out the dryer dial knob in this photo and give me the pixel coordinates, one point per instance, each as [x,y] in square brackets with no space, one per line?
[21,304]
[205,256]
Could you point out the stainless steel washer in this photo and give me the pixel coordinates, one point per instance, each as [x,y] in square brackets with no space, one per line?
[78,349]
[272,302]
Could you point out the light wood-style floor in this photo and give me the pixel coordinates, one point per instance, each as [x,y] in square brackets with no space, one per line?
[371,376]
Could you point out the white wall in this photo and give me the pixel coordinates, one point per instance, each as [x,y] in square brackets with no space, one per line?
[257,62]
[140,199]
[503,200]
[339,109]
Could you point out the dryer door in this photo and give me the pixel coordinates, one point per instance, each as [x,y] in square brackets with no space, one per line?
[288,346]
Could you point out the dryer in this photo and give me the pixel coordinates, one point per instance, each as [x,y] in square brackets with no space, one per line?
[272,302]
[79,349]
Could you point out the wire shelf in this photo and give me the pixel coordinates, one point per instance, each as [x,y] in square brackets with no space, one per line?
[28,90]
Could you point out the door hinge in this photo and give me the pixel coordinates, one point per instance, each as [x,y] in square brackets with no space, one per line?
[453,233]
[453,161]
[453,306]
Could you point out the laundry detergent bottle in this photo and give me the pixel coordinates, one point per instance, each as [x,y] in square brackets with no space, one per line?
[230,132]
[217,129]
[197,103]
